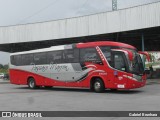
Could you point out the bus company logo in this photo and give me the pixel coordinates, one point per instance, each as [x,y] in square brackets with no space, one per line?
[43,68]
[6,114]
[21,114]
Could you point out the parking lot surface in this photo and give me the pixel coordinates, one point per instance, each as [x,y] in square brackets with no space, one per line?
[21,98]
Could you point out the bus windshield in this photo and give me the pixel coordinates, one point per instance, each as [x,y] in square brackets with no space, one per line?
[123,63]
[136,66]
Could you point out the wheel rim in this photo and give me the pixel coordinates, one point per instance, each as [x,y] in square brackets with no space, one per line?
[97,85]
[31,84]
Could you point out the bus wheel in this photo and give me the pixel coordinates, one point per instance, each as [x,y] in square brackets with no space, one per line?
[98,85]
[32,83]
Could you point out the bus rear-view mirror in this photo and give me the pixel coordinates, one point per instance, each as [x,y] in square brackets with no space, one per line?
[130,55]
[146,54]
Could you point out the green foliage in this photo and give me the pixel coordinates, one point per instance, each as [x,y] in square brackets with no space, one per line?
[4,68]
[4,71]
[1,66]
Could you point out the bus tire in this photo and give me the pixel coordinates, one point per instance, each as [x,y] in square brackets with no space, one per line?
[98,85]
[32,83]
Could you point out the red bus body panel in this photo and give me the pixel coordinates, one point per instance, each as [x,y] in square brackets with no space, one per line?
[110,80]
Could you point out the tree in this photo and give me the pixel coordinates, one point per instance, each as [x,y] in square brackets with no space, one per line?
[1,66]
[6,66]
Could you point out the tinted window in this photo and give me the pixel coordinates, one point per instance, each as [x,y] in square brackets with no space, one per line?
[119,62]
[12,60]
[40,58]
[71,55]
[89,55]
[27,59]
[55,57]
[16,60]
[107,53]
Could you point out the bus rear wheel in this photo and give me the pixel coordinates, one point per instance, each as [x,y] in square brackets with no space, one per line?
[32,83]
[98,85]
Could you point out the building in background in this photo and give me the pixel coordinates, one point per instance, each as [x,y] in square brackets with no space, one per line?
[138,26]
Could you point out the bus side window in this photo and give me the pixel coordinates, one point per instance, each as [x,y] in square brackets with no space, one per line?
[71,55]
[89,55]
[27,59]
[107,53]
[16,60]
[54,57]
[119,62]
[12,60]
[40,58]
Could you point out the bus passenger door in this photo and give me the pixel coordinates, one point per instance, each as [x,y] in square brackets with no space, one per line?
[120,68]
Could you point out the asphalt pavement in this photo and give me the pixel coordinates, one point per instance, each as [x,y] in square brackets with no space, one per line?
[2,81]
[21,98]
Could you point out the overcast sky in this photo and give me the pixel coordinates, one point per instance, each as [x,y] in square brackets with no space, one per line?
[14,12]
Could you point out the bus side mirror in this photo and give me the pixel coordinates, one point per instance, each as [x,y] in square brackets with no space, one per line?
[146,54]
[130,55]
[147,71]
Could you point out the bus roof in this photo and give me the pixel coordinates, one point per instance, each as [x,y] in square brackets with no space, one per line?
[53,48]
[78,45]
[104,43]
